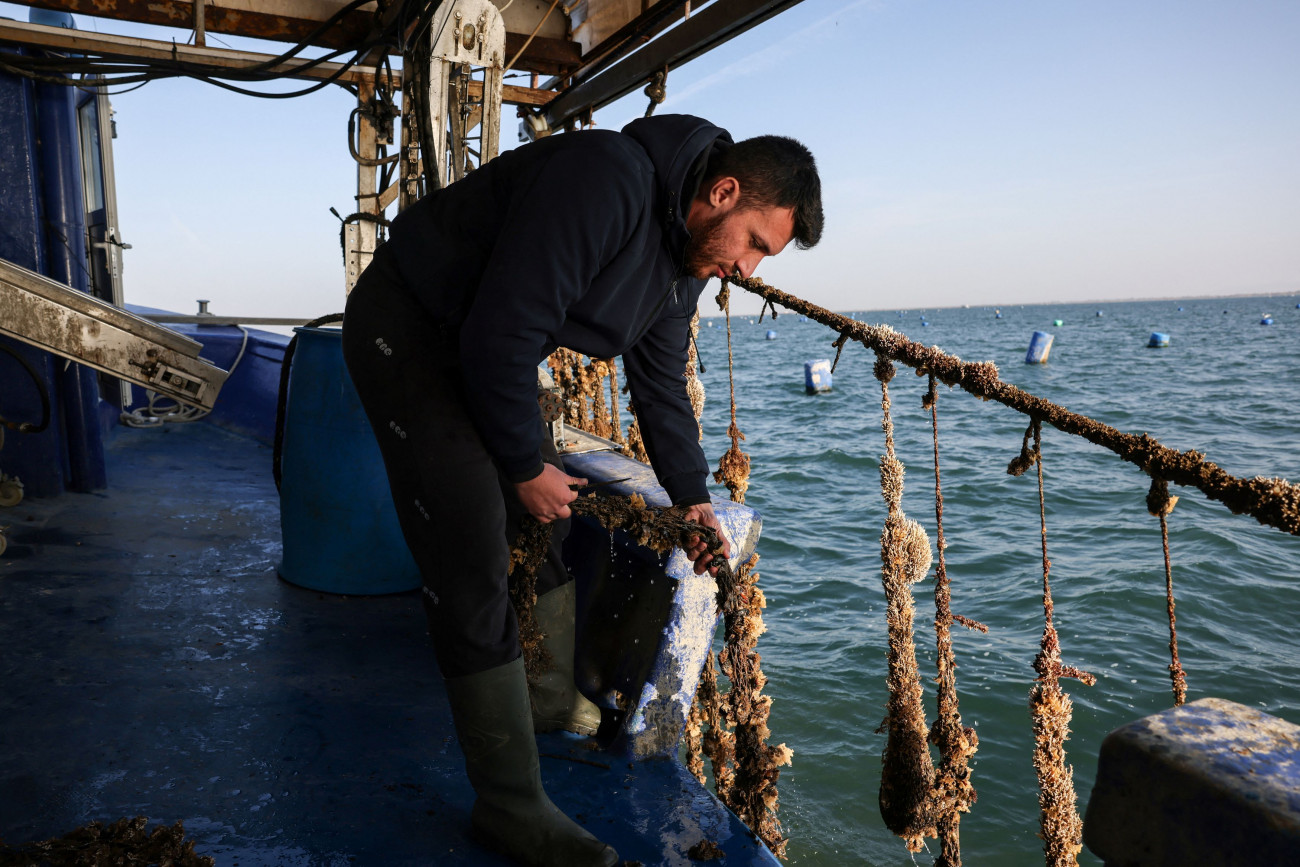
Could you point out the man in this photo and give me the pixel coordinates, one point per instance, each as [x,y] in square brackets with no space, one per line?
[597,241]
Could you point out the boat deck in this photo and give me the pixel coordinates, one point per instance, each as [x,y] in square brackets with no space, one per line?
[155,665]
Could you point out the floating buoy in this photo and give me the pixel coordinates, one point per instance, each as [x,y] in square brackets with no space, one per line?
[1099,313]
[1158,339]
[771,335]
[997,315]
[1180,310]
[925,324]
[1267,320]
[1040,345]
[817,376]
[803,318]
[1057,322]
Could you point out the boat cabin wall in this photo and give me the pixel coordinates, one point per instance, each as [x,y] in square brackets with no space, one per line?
[43,228]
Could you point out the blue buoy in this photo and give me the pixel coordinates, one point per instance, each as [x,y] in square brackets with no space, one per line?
[771,335]
[997,316]
[817,376]
[1158,339]
[1099,313]
[1058,322]
[1180,310]
[339,526]
[1267,320]
[1040,345]
[925,324]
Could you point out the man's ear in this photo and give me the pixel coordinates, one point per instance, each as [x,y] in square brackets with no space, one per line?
[724,193]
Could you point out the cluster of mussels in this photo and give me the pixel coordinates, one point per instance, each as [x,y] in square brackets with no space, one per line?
[582,386]
[124,842]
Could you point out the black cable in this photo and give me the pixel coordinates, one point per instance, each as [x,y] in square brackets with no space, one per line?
[28,427]
[352,147]
[142,73]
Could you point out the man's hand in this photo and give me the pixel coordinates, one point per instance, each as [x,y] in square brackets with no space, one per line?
[698,550]
[547,497]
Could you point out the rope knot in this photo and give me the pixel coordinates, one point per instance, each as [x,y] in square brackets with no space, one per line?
[1159,501]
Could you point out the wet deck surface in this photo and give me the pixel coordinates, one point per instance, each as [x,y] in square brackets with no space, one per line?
[155,665]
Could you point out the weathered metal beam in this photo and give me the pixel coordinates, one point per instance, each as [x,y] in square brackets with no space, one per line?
[134,48]
[712,26]
[294,21]
[280,20]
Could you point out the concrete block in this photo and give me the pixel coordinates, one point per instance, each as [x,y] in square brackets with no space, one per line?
[1210,783]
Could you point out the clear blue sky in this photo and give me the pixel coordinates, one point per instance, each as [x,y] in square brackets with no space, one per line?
[972,153]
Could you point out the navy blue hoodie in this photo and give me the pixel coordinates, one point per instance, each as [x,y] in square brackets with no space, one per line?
[576,240]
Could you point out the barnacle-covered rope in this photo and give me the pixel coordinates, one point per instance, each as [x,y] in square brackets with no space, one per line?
[1049,706]
[1271,501]
[907,771]
[953,792]
[733,468]
[1160,503]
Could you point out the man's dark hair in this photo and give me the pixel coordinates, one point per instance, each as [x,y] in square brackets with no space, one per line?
[775,171]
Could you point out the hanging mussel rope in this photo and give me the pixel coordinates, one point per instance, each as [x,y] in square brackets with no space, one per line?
[582,387]
[907,772]
[1160,503]
[745,768]
[526,556]
[953,792]
[733,469]
[1050,707]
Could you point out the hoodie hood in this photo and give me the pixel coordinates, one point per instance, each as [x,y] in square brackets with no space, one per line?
[679,147]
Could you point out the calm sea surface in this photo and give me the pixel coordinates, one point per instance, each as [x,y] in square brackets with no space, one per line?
[1225,385]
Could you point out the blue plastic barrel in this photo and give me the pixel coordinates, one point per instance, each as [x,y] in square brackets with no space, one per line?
[771,335]
[1158,339]
[336,513]
[1040,345]
[817,375]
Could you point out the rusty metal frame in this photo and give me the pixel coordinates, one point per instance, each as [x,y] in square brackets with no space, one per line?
[135,48]
[293,21]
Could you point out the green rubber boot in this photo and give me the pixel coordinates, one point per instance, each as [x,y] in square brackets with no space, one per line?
[512,814]
[557,704]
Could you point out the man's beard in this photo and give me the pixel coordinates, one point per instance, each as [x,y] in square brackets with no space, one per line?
[704,249]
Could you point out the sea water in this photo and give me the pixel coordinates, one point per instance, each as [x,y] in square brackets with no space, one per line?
[1225,385]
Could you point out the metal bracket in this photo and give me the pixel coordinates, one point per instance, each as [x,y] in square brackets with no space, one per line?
[467,36]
